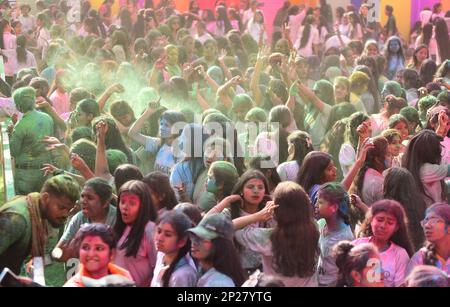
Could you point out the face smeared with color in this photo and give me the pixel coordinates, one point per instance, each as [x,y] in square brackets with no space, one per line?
[210,51]
[254,191]
[282,47]
[172,56]
[422,55]
[434,227]
[95,254]
[340,92]
[394,146]
[165,128]
[57,209]
[402,128]
[82,119]
[302,69]
[129,207]
[200,248]
[91,205]
[384,225]
[394,46]
[211,184]
[324,208]
[372,50]
[212,154]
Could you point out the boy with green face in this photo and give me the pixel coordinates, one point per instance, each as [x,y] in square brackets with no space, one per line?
[26,144]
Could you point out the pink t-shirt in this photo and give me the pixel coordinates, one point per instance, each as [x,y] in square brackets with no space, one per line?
[60,102]
[418,259]
[140,267]
[394,262]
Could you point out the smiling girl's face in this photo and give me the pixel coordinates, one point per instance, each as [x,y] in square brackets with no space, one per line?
[95,255]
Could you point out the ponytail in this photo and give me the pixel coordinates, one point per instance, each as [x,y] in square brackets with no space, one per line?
[20,49]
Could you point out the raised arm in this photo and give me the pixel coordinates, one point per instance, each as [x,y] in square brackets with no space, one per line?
[101,162]
[134,132]
[310,96]
[45,106]
[115,88]
[348,180]
[262,57]
[226,71]
[261,216]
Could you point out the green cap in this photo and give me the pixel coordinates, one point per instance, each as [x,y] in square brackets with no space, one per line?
[214,226]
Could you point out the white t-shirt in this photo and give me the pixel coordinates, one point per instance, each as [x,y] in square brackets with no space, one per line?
[165,159]
[314,39]
[394,262]
[28,23]
[184,275]
[347,157]
[258,239]
[288,171]
[431,176]
[372,189]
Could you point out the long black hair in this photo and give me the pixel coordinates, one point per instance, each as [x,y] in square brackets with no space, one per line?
[302,146]
[309,20]
[442,38]
[146,214]
[3,24]
[424,147]
[399,185]
[159,183]
[180,223]
[21,42]
[378,152]
[312,169]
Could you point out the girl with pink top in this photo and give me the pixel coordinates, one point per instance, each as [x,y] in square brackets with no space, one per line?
[385,227]
[8,42]
[59,95]
[134,226]
[436,251]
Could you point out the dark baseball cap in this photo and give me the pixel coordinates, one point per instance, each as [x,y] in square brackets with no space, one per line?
[214,226]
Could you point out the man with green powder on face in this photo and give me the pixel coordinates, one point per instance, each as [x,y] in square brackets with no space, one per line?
[24,219]
[26,144]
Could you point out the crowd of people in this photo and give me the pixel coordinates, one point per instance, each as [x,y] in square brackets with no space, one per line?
[194,149]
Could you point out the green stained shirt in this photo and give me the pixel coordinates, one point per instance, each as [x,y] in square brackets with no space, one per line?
[15,233]
[174,70]
[25,144]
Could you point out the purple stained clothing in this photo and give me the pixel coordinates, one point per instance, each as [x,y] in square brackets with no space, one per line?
[394,262]
[140,267]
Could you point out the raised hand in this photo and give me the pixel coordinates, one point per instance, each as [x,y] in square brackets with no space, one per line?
[49,169]
[101,128]
[267,212]
[77,162]
[117,88]
[223,53]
